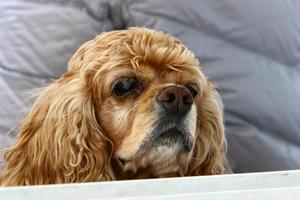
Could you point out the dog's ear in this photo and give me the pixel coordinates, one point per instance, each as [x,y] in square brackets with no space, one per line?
[60,140]
[209,154]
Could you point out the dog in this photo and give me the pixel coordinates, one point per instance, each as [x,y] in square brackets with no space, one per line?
[133,104]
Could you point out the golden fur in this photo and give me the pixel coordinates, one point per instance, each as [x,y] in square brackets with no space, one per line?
[77,128]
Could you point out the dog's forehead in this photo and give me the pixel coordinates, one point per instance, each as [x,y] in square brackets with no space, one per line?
[163,73]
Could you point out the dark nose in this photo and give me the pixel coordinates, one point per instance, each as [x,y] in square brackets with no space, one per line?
[177,100]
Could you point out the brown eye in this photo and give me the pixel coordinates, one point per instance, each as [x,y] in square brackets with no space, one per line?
[193,88]
[126,86]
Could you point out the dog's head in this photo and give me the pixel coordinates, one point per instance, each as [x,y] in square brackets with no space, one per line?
[133,104]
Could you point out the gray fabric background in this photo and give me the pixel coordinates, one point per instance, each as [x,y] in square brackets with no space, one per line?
[250,49]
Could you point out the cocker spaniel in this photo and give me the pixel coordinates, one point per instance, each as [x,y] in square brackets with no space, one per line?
[133,104]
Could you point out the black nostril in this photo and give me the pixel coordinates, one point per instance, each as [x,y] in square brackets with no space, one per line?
[171,97]
[188,99]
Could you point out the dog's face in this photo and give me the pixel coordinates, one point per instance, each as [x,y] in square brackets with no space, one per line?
[150,115]
[133,104]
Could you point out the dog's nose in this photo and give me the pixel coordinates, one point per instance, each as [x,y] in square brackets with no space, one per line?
[177,100]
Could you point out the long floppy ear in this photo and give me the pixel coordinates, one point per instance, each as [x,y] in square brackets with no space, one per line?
[209,154]
[60,140]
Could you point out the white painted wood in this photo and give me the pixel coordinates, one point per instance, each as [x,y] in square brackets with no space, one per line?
[292,193]
[268,185]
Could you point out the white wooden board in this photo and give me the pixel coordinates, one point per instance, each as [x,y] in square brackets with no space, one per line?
[268,185]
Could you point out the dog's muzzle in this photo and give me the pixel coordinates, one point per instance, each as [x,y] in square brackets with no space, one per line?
[173,132]
[171,128]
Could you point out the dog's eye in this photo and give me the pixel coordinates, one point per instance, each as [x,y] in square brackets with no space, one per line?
[193,88]
[125,86]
